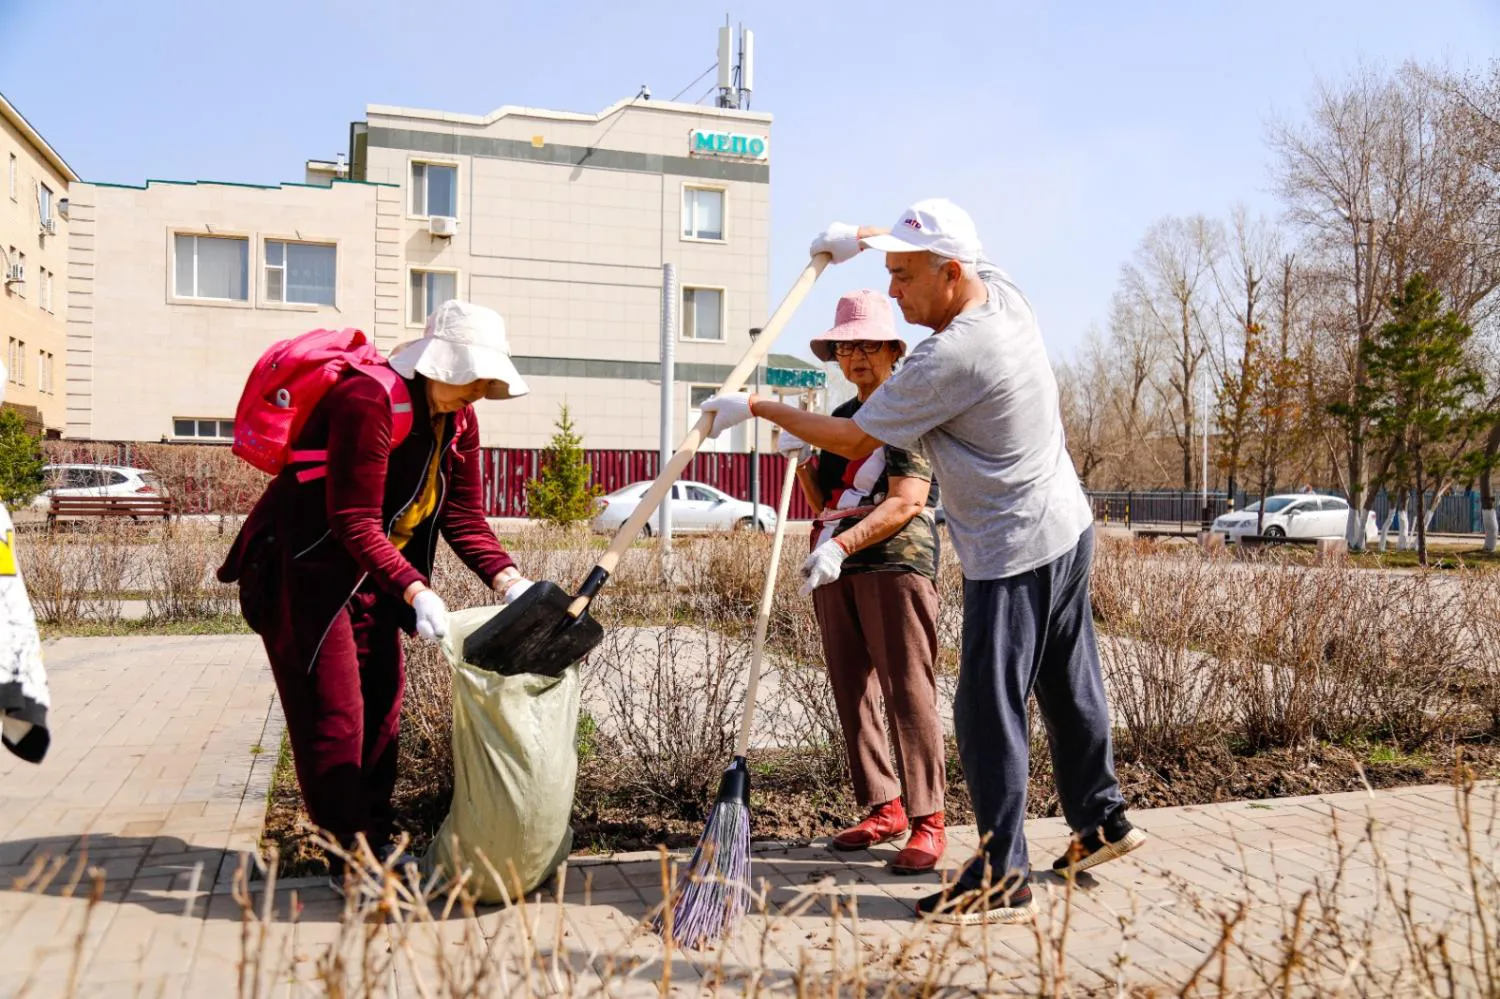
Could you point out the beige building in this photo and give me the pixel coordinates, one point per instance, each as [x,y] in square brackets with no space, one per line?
[177,288]
[562,222]
[34,233]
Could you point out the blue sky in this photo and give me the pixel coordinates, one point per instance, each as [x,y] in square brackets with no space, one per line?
[1064,129]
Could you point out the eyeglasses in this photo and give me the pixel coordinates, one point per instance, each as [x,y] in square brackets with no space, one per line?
[844,348]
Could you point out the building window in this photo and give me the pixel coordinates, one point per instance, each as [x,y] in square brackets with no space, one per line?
[46,296]
[702,213]
[44,363]
[300,273]
[16,361]
[192,428]
[216,267]
[429,289]
[21,288]
[702,314]
[434,189]
[13,176]
[44,203]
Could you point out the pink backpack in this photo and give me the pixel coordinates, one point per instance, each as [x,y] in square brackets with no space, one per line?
[289,381]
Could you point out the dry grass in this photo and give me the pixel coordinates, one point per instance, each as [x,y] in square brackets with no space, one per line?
[1272,655]
[80,575]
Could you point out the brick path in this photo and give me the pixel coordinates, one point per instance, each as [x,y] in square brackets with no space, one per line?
[153,769]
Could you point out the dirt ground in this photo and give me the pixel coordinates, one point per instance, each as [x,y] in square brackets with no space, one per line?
[790,803]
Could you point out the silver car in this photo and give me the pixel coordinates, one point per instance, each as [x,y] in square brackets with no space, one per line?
[1294,515]
[97,480]
[695,507]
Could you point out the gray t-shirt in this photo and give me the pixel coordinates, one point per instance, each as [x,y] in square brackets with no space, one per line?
[980,401]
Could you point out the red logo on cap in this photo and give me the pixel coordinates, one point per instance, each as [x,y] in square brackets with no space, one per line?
[912,222]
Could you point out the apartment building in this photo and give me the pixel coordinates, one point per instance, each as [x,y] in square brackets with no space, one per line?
[34,235]
[560,221]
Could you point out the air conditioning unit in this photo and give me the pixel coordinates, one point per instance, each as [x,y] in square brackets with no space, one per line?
[15,274]
[49,226]
[442,225]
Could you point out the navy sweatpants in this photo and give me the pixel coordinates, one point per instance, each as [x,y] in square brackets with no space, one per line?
[1032,632]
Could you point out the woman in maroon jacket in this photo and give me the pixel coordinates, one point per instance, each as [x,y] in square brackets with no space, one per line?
[331,571]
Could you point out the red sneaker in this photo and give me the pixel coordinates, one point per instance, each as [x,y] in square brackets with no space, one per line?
[883,824]
[925,848]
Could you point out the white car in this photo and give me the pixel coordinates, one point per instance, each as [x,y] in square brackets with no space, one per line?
[1296,515]
[695,507]
[97,480]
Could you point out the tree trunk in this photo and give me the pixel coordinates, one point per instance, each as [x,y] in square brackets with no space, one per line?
[1421,499]
[1355,533]
[1487,490]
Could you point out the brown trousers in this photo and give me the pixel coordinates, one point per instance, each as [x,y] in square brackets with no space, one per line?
[880,641]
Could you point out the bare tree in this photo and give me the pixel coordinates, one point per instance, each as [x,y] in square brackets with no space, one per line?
[1473,122]
[1167,283]
[1236,353]
[1085,394]
[1376,184]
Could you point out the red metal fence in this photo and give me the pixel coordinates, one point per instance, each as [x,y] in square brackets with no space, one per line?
[505,471]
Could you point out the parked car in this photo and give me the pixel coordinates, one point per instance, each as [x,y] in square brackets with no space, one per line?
[695,507]
[1295,515]
[97,480]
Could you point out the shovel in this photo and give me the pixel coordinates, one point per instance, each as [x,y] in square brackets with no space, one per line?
[545,631]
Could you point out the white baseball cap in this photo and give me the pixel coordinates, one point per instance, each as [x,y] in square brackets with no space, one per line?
[935,225]
[463,343]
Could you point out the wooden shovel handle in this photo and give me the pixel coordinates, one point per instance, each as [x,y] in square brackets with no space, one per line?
[695,437]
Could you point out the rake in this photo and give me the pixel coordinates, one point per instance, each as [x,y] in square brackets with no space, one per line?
[713,893]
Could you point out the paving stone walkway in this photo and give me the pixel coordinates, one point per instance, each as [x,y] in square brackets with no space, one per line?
[162,754]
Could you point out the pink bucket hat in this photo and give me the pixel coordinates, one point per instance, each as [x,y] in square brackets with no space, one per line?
[861,315]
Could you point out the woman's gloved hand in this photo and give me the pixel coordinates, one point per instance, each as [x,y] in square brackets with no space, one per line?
[432,615]
[511,590]
[822,566]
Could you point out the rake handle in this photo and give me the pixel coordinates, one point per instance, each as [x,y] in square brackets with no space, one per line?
[763,616]
[674,467]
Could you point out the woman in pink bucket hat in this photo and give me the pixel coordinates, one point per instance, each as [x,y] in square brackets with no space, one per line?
[872,576]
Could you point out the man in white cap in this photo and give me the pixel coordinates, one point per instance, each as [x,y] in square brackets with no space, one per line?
[980,401]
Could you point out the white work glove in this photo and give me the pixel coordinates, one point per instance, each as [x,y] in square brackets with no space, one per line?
[518,586]
[729,411]
[840,241]
[432,615]
[794,447]
[822,566]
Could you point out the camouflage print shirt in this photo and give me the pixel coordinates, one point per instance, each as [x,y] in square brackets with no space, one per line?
[865,483]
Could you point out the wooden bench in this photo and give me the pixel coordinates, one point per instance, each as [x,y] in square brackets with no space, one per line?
[134,507]
[1252,540]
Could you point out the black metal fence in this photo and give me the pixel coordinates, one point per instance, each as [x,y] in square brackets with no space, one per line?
[1457,513]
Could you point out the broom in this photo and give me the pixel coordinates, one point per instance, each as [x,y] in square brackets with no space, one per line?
[714,892]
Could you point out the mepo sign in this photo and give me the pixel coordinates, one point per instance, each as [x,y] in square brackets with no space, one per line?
[727,144]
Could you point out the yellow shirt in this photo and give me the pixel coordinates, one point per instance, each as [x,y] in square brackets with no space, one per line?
[427,500]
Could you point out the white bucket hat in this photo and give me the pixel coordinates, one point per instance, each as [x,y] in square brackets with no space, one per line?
[463,343]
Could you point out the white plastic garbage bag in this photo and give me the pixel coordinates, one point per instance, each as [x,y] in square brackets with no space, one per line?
[515,763]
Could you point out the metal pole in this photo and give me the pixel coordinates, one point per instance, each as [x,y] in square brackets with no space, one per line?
[668,389]
[1206,519]
[755,449]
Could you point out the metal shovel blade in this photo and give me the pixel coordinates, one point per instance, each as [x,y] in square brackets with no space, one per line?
[534,635]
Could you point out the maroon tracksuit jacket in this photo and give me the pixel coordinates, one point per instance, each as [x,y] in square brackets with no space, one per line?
[323,586]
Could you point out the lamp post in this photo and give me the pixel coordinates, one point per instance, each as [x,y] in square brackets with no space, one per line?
[755,448]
